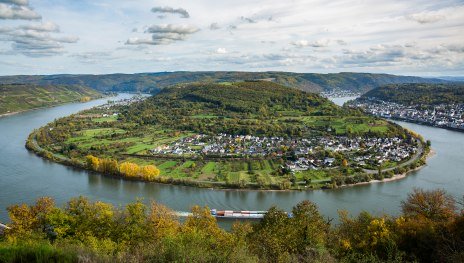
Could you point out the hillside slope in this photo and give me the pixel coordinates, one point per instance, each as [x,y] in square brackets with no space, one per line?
[251,107]
[413,94]
[153,82]
[20,97]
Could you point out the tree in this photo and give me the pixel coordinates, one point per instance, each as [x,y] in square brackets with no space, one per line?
[90,220]
[435,205]
[345,163]
[92,162]
[129,169]
[307,179]
[26,219]
[108,166]
[149,172]
[270,239]
[261,181]
[162,221]
[311,227]
[135,225]
[364,234]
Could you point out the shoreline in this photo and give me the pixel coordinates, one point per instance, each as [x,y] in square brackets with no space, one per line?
[424,123]
[395,177]
[32,145]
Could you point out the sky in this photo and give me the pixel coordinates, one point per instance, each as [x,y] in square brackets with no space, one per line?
[414,37]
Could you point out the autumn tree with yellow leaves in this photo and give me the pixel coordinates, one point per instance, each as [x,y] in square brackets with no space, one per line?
[129,169]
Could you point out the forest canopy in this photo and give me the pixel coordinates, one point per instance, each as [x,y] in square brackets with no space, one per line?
[430,228]
[252,107]
[417,94]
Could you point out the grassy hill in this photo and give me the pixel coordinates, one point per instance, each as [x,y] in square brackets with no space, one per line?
[153,82]
[20,97]
[419,93]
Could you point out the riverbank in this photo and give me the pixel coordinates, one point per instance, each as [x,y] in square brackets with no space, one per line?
[426,124]
[390,174]
[386,180]
[396,177]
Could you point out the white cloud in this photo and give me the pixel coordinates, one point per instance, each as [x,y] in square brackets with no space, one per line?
[43,27]
[341,42]
[392,36]
[18,12]
[425,17]
[214,26]
[35,40]
[221,50]
[170,28]
[164,34]
[15,2]
[169,10]
[306,43]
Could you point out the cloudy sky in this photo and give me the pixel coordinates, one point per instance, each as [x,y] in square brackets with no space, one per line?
[414,37]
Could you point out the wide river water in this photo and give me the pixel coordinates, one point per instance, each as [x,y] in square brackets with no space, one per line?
[24,177]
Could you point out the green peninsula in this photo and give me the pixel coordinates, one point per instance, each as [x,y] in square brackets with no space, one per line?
[253,134]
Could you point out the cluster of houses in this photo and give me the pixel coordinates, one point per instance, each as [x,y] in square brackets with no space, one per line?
[445,116]
[122,102]
[302,154]
[339,93]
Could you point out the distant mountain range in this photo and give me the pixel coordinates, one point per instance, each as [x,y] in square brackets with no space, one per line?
[452,78]
[153,82]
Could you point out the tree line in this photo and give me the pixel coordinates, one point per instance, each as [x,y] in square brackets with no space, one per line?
[125,169]
[430,228]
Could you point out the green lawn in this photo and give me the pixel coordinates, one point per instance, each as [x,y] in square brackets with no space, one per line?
[209,168]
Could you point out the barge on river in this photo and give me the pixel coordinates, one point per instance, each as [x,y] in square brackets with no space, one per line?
[240,214]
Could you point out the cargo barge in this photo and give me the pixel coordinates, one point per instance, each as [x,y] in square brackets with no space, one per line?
[240,214]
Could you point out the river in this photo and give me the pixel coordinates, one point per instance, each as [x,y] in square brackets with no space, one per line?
[24,177]
[341,100]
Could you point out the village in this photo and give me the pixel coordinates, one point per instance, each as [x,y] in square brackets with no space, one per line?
[300,154]
[122,102]
[445,116]
[339,93]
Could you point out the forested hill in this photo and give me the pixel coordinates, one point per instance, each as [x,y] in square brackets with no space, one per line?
[20,97]
[413,94]
[251,107]
[153,82]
